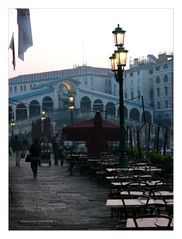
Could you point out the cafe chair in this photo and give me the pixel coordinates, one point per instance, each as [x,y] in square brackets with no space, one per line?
[157,209]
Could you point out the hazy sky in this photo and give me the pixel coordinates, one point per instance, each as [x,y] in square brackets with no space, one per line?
[63,38]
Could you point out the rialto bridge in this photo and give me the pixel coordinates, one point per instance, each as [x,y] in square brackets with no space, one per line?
[53,99]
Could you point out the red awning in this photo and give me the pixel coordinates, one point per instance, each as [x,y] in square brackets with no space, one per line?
[95,131]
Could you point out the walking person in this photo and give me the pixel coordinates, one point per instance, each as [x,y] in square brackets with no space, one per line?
[55,148]
[61,154]
[17,148]
[35,151]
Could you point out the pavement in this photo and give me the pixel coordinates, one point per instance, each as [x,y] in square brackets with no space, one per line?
[55,200]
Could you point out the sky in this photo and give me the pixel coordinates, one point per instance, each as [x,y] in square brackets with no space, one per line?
[63,38]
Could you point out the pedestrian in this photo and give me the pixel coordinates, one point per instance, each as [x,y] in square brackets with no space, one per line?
[55,148]
[35,151]
[61,154]
[17,148]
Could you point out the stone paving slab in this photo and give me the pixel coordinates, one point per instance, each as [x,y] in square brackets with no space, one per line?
[56,200]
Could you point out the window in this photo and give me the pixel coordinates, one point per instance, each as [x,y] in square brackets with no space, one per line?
[15,88]
[166,90]
[165,78]
[132,95]
[157,80]
[158,92]
[21,87]
[138,93]
[150,71]
[131,73]
[165,66]
[157,68]
[166,103]
[25,87]
[10,89]
[138,72]
[158,105]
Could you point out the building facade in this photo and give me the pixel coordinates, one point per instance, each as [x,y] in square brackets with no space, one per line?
[94,89]
[152,78]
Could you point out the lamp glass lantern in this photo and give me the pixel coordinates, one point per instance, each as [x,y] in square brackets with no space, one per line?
[119,35]
[71,101]
[121,57]
[113,62]
[43,115]
[12,122]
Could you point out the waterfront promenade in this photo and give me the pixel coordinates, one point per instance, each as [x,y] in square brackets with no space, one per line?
[55,200]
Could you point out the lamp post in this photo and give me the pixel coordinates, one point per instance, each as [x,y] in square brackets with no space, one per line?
[71,106]
[43,117]
[118,62]
[12,124]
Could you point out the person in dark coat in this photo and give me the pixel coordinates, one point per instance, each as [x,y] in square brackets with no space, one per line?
[35,151]
[61,154]
[17,148]
[55,148]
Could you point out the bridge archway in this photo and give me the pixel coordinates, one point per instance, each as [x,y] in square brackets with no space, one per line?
[98,105]
[47,104]
[85,104]
[34,108]
[135,114]
[21,112]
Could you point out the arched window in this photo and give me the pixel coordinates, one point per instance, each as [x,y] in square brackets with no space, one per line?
[110,108]
[134,114]
[47,104]
[98,105]
[11,114]
[21,112]
[125,112]
[34,108]
[148,117]
[85,104]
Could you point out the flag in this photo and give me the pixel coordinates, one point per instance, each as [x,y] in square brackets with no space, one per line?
[12,47]
[24,32]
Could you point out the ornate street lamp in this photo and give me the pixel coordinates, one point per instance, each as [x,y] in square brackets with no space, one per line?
[118,62]
[119,34]
[42,117]
[71,106]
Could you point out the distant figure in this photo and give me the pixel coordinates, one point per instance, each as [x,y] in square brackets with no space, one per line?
[17,148]
[25,144]
[61,154]
[55,148]
[35,150]
[46,150]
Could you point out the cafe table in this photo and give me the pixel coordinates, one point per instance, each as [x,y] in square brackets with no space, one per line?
[148,223]
[118,203]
